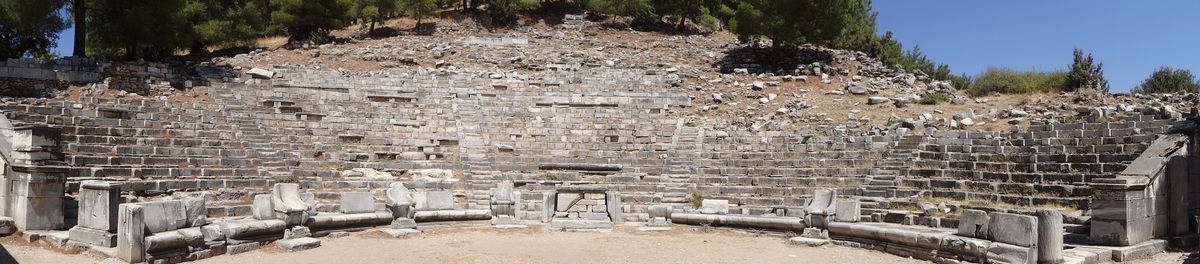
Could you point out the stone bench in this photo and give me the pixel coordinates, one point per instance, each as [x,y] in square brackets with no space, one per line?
[166,230]
[357,212]
[437,206]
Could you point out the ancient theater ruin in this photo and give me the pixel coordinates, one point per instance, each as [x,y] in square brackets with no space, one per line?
[558,129]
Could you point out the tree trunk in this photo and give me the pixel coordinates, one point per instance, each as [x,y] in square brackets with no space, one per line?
[79,9]
[372,27]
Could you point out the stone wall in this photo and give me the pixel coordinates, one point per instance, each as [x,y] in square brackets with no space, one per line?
[40,78]
[568,125]
[1043,165]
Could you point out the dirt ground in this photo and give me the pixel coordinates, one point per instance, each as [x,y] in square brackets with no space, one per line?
[483,245]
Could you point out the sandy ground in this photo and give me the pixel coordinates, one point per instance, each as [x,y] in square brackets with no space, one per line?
[685,245]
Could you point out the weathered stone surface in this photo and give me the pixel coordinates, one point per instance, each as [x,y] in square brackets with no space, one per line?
[1011,254]
[130,231]
[975,224]
[298,244]
[809,242]
[262,207]
[711,206]
[615,210]
[399,232]
[562,224]
[93,236]
[452,215]
[7,227]
[400,201]
[357,203]
[564,201]
[161,216]
[260,73]
[848,210]
[253,228]
[1050,236]
[1018,230]
[438,200]
[285,200]
[242,248]
[776,223]
[98,202]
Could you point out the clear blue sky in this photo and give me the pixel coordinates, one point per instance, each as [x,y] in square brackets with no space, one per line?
[1132,38]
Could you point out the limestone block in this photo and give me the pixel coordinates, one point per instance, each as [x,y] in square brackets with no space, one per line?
[162,216]
[262,207]
[130,231]
[548,206]
[338,221]
[213,233]
[252,228]
[613,201]
[403,223]
[195,211]
[711,206]
[98,202]
[974,223]
[564,201]
[1011,254]
[438,200]
[357,203]
[848,210]
[967,248]
[242,248]
[1015,229]
[777,223]
[7,226]
[93,236]
[298,244]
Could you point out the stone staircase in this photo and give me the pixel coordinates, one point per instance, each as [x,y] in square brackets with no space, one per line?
[882,182]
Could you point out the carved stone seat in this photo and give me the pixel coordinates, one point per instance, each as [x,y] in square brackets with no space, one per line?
[402,206]
[287,204]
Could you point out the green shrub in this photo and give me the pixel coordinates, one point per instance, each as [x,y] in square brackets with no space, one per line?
[932,99]
[1167,80]
[1009,81]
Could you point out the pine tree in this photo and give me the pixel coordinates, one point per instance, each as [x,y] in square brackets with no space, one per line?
[223,23]
[29,27]
[302,20]
[1086,73]
[152,29]
[419,9]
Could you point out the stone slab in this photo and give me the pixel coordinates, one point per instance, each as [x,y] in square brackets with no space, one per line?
[1139,251]
[712,206]
[654,229]
[242,248]
[564,201]
[809,242]
[1019,230]
[93,236]
[974,223]
[399,232]
[163,216]
[848,210]
[1011,254]
[262,208]
[438,200]
[564,224]
[7,226]
[358,202]
[298,244]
